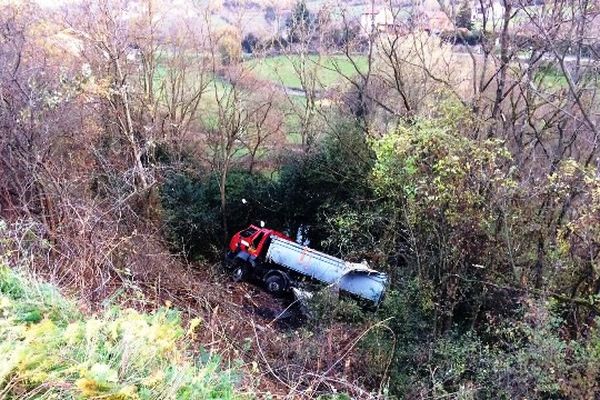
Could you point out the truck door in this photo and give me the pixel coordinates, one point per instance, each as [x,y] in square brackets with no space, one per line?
[253,249]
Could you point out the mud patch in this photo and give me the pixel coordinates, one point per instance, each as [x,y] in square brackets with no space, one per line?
[287,316]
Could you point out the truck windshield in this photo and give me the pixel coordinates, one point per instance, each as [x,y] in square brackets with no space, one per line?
[257,239]
[247,232]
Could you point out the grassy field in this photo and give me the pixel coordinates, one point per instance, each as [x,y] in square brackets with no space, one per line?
[329,69]
[551,78]
[281,70]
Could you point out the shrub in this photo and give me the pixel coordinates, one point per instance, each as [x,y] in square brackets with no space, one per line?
[445,190]
[333,176]
[192,209]
[192,217]
[229,46]
[517,358]
[327,306]
[249,43]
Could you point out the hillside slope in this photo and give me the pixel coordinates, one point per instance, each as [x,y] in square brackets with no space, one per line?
[51,350]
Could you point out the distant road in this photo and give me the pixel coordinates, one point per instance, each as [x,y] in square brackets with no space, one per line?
[545,57]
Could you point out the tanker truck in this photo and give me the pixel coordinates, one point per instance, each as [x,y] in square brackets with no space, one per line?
[283,265]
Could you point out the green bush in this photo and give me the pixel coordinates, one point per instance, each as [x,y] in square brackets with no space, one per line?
[326,306]
[515,358]
[191,214]
[306,192]
[396,348]
[192,209]
[444,193]
[334,175]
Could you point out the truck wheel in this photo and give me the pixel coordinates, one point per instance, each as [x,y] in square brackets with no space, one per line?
[275,284]
[239,272]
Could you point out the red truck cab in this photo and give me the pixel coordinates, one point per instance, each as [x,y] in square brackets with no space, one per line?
[253,240]
[247,250]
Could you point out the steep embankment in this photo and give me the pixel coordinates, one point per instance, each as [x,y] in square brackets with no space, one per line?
[51,350]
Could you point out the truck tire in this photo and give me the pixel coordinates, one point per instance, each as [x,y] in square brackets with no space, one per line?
[276,284]
[239,272]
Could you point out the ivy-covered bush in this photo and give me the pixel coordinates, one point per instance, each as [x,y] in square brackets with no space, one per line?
[192,209]
[191,215]
[334,176]
[525,357]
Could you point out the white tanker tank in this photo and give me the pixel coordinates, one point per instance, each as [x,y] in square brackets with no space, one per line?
[354,278]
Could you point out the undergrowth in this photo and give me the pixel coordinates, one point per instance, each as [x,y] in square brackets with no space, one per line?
[50,350]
